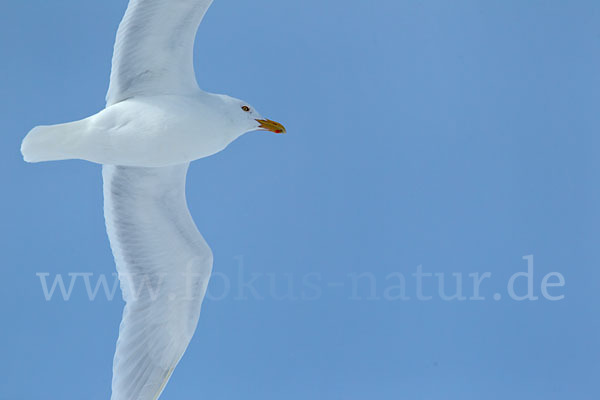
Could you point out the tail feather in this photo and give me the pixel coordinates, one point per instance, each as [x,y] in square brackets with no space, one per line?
[54,142]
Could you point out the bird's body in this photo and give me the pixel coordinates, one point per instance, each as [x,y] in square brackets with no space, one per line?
[133,132]
[155,122]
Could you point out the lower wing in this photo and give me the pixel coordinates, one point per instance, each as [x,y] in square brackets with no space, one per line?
[164,266]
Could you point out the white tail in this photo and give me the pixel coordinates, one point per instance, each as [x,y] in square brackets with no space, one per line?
[55,142]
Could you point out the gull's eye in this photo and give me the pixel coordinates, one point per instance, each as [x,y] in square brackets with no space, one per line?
[246,108]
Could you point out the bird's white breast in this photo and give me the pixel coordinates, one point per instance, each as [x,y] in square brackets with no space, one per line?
[157,131]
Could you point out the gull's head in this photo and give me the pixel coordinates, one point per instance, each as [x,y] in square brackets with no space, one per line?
[247,119]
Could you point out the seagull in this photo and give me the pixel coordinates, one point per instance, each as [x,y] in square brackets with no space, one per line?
[156,121]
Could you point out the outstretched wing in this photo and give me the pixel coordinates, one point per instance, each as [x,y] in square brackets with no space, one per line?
[154,48]
[164,266]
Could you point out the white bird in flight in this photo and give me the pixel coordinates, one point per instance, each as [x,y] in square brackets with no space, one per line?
[156,121]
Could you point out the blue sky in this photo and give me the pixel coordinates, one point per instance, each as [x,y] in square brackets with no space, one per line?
[456,136]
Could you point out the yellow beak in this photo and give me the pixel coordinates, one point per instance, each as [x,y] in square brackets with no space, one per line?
[271,126]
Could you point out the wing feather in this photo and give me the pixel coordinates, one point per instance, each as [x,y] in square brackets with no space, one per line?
[164,266]
[154,49]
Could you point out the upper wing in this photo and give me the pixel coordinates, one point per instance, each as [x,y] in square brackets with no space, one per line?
[154,48]
[164,266]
